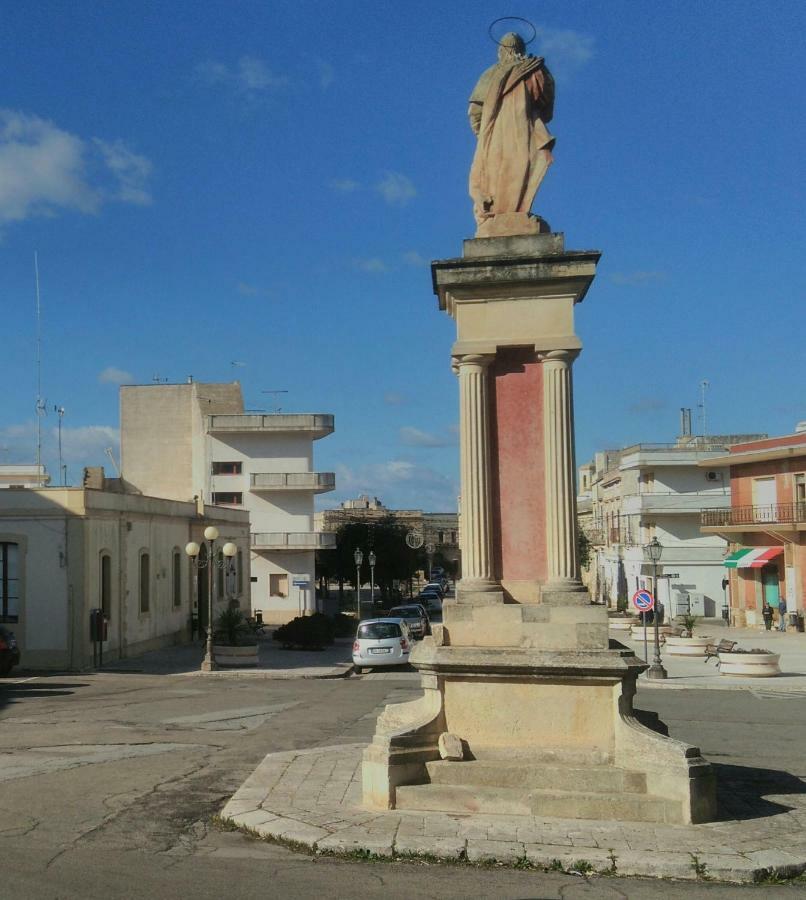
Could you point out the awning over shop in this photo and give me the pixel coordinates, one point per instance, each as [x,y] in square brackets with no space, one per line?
[752,557]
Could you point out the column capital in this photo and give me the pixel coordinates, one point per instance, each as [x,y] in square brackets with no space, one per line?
[558,356]
[481,360]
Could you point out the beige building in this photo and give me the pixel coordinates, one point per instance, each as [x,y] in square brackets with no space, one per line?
[66,551]
[194,440]
[23,475]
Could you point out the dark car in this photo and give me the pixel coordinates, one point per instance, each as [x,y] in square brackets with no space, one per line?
[9,651]
[415,616]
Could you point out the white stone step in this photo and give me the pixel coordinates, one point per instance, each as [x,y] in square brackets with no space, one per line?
[507,774]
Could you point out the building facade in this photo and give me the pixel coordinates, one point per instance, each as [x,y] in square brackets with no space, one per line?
[66,551]
[195,440]
[22,475]
[765,526]
[645,491]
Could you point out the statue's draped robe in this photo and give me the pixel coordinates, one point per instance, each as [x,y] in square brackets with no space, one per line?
[514,145]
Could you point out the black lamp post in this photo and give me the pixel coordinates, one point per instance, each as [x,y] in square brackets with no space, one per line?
[372,561]
[358,556]
[653,552]
[228,550]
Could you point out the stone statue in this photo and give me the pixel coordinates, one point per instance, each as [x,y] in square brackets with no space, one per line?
[509,109]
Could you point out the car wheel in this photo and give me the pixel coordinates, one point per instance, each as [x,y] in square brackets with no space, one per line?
[359,670]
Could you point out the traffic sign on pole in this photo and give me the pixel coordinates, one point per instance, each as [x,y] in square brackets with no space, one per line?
[643,601]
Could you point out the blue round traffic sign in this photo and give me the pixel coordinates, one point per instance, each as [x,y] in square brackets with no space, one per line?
[643,601]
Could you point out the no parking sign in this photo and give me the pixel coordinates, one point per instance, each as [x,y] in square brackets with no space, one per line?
[643,601]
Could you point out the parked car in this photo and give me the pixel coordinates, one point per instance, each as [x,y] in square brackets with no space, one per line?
[9,651]
[431,600]
[416,618]
[381,642]
[435,586]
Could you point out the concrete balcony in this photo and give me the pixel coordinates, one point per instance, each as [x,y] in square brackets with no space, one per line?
[293,540]
[317,425]
[690,502]
[785,516]
[315,482]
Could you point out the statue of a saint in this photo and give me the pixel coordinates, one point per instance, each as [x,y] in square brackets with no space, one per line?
[509,109]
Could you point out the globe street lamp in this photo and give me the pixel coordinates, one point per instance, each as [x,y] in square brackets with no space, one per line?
[228,551]
[372,559]
[358,556]
[653,552]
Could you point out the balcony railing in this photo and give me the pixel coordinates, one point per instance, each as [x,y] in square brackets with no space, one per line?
[293,540]
[293,481]
[775,513]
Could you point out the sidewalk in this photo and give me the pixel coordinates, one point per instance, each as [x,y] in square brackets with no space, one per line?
[274,662]
[694,672]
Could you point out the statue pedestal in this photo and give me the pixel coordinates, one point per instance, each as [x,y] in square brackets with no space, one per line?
[522,671]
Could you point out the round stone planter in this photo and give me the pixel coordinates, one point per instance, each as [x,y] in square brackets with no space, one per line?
[235,656]
[687,646]
[751,665]
[637,632]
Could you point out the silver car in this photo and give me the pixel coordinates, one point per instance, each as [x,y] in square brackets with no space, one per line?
[415,616]
[381,642]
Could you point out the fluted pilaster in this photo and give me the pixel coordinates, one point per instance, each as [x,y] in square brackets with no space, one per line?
[558,431]
[474,437]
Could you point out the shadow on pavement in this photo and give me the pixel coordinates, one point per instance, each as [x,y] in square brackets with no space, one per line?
[742,791]
[14,692]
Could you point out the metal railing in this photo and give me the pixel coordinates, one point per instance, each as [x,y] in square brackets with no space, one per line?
[292,480]
[295,540]
[776,513]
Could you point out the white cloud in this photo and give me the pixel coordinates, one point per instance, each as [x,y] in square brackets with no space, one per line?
[393,398]
[565,50]
[247,289]
[396,189]
[82,446]
[637,279]
[414,437]
[373,264]
[250,76]
[113,375]
[413,258]
[344,185]
[45,169]
[85,445]
[399,484]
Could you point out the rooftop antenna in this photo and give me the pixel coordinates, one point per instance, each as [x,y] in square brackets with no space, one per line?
[40,403]
[59,410]
[276,395]
[704,385]
[108,452]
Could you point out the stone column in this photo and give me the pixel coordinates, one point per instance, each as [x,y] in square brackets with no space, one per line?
[474,451]
[558,431]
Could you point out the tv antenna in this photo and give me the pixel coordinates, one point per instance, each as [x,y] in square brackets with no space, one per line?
[111,455]
[59,410]
[704,385]
[276,395]
[41,409]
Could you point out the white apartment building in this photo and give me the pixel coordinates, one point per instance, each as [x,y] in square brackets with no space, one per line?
[647,491]
[23,475]
[195,440]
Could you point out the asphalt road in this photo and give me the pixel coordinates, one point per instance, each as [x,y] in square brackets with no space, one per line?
[108,784]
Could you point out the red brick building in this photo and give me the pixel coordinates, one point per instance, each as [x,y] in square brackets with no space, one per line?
[765,526]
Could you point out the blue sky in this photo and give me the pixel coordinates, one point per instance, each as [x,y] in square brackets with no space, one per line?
[265,184]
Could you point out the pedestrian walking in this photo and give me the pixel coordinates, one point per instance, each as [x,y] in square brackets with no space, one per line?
[766,614]
[782,614]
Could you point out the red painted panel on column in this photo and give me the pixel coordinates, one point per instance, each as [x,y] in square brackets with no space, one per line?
[519,510]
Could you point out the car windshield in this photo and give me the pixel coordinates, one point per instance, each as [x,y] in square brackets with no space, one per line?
[377,631]
[406,612]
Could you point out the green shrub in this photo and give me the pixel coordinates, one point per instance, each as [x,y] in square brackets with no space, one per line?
[307,632]
[689,623]
[231,628]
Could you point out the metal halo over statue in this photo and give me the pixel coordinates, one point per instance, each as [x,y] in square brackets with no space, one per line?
[495,40]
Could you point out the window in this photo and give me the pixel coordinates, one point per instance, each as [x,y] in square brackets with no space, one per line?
[278,585]
[177,578]
[106,585]
[145,582]
[227,498]
[800,496]
[227,468]
[9,582]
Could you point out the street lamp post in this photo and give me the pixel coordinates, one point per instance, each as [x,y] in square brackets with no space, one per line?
[653,552]
[372,559]
[228,550]
[358,556]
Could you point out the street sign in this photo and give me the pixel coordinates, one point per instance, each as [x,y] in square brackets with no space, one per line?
[301,582]
[643,601]
[670,575]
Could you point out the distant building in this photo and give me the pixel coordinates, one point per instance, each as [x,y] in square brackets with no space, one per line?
[27,476]
[440,530]
[630,496]
[65,551]
[195,440]
[765,525]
